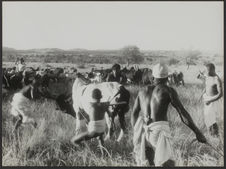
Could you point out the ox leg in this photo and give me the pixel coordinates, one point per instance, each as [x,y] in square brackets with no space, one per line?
[122,125]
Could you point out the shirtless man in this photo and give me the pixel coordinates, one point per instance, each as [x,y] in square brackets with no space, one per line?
[151,129]
[96,117]
[21,104]
[115,75]
[212,96]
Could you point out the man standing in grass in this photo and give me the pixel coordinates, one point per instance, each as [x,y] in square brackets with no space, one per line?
[115,75]
[151,129]
[212,96]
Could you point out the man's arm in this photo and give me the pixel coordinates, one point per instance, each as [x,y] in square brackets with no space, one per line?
[185,116]
[219,95]
[136,110]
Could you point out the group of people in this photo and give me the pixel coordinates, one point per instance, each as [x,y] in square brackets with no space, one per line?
[151,131]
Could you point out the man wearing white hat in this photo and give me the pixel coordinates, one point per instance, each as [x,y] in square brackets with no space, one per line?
[151,129]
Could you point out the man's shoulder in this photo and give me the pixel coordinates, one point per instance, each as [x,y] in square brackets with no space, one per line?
[218,78]
[165,89]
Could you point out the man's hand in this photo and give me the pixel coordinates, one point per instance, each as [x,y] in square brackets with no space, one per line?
[201,138]
[207,102]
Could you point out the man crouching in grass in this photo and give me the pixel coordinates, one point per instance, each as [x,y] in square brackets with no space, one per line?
[97,124]
[21,104]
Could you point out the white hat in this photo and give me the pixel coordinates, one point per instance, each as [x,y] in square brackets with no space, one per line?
[160,71]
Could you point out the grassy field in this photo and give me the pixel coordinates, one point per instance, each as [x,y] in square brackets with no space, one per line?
[48,144]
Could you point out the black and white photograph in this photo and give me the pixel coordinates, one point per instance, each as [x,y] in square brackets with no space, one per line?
[113,83]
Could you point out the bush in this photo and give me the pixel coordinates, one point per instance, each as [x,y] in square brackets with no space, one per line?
[173,61]
[82,66]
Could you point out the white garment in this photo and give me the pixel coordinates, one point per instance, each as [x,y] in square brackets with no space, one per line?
[21,67]
[212,111]
[20,106]
[97,126]
[155,135]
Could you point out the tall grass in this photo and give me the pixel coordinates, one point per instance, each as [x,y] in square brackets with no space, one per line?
[48,144]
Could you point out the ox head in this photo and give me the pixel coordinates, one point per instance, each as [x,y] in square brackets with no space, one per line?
[65,105]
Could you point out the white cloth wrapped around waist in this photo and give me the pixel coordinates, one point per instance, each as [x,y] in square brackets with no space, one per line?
[97,126]
[156,135]
[20,106]
[19,100]
[213,110]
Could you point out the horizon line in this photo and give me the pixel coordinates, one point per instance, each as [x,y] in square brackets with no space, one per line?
[182,49]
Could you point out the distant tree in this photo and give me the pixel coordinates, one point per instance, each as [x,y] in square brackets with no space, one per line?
[132,54]
[192,57]
[194,54]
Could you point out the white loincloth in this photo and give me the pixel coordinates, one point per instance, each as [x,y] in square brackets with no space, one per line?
[212,111]
[20,106]
[155,135]
[97,126]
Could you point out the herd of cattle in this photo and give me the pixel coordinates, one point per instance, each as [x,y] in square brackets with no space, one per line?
[13,80]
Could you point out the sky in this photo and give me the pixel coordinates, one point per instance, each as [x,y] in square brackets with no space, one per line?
[113,25]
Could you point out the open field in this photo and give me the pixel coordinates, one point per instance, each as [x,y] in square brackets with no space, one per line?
[48,144]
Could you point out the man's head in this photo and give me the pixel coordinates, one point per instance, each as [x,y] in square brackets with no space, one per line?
[116,68]
[210,69]
[160,73]
[21,60]
[96,95]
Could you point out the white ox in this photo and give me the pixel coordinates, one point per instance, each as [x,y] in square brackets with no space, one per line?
[111,91]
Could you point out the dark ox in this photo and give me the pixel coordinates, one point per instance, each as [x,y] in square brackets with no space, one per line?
[13,81]
[176,79]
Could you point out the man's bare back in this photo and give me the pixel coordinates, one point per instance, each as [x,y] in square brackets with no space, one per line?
[153,102]
[98,110]
[160,100]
